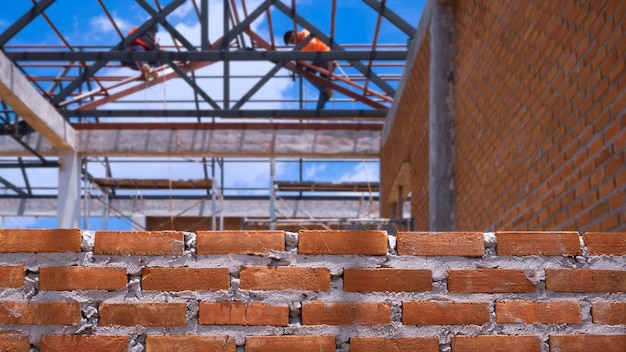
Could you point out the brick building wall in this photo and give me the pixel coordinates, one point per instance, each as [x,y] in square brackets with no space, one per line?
[540,117]
[410,143]
[73,290]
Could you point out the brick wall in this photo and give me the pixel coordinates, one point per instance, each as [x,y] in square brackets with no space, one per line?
[540,117]
[73,290]
[409,144]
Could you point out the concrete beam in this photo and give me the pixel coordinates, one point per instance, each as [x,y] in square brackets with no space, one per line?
[34,109]
[262,143]
[180,207]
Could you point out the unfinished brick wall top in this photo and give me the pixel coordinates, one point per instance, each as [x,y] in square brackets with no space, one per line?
[526,291]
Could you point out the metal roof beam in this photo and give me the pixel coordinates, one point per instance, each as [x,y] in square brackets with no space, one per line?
[392,17]
[24,20]
[122,45]
[252,113]
[211,55]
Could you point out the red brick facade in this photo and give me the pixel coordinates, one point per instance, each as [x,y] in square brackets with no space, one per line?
[540,118]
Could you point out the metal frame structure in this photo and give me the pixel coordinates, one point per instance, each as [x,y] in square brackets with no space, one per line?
[82,83]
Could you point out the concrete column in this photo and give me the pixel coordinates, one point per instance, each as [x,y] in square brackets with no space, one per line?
[441,120]
[68,206]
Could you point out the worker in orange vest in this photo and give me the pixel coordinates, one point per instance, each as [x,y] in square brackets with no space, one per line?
[145,42]
[315,44]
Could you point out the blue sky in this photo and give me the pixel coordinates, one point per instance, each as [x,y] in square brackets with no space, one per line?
[85,23]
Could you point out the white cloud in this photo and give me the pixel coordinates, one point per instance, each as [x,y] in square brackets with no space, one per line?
[363,172]
[312,171]
[102,24]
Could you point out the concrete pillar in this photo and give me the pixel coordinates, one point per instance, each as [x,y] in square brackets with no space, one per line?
[441,120]
[68,206]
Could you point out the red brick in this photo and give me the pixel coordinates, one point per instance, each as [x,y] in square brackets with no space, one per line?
[387,280]
[402,344]
[489,281]
[243,313]
[342,242]
[145,314]
[291,343]
[284,278]
[68,278]
[346,313]
[585,280]
[240,242]
[468,244]
[12,276]
[496,343]
[543,312]
[538,243]
[445,313]
[35,240]
[14,342]
[601,243]
[185,279]
[586,343]
[609,313]
[139,243]
[189,343]
[84,343]
[39,313]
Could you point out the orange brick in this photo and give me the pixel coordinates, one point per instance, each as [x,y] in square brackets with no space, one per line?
[189,343]
[601,243]
[387,280]
[609,313]
[544,312]
[243,313]
[284,278]
[185,279]
[68,278]
[39,313]
[145,314]
[240,242]
[84,343]
[586,343]
[12,276]
[342,242]
[346,313]
[585,280]
[496,343]
[35,240]
[469,244]
[290,343]
[402,344]
[489,281]
[139,243]
[445,313]
[538,243]
[14,342]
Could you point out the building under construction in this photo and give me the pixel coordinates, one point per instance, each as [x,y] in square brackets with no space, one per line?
[483,207]
[474,116]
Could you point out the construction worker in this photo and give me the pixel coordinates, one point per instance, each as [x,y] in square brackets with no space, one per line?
[145,42]
[313,45]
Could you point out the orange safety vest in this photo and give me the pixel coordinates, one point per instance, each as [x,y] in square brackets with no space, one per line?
[314,45]
[142,39]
